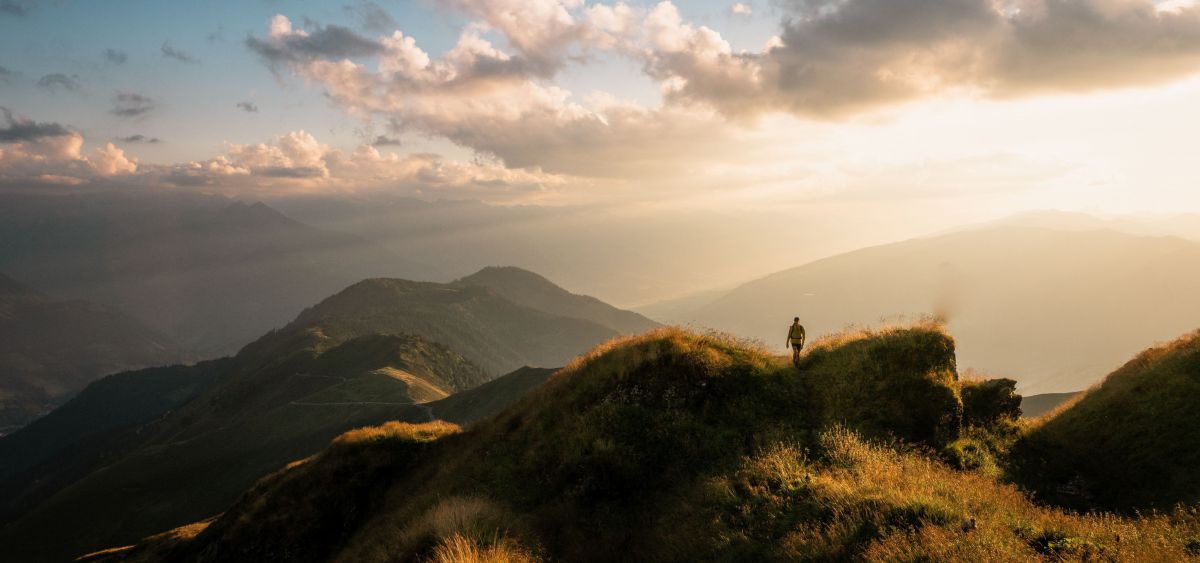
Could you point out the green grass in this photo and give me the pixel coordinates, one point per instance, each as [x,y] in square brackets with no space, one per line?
[1133,442]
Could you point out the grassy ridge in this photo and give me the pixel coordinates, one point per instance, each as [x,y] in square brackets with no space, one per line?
[587,466]
[1133,442]
[677,446]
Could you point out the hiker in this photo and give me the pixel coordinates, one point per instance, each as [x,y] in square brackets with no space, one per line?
[795,339]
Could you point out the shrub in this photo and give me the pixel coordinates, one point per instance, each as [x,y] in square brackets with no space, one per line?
[989,402]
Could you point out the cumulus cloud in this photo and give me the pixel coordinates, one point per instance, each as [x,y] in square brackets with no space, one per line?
[482,97]
[49,152]
[285,44]
[741,9]
[139,138]
[298,162]
[832,57]
[115,57]
[59,81]
[839,56]
[248,107]
[21,129]
[169,52]
[131,104]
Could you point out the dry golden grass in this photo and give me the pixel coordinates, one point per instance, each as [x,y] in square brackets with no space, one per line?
[397,431]
[855,333]
[623,354]
[461,529]
[462,549]
[880,504]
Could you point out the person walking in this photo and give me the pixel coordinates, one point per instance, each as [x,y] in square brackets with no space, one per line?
[795,339]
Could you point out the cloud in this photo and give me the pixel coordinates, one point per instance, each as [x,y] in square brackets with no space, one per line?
[385,141]
[297,162]
[371,16]
[284,44]
[492,101]
[131,104]
[248,107]
[6,75]
[59,81]
[169,52]
[49,152]
[741,9]
[139,138]
[15,8]
[115,57]
[22,129]
[842,56]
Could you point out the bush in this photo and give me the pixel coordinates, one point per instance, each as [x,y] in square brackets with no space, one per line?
[989,402]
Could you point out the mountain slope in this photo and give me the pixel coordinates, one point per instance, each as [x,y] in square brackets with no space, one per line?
[73,439]
[379,350]
[490,398]
[51,349]
[667,447]
[531,290]
[263,412]
[1132,442]
[1051,309]
[211,272]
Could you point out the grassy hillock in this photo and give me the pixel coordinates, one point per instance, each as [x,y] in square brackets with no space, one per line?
[1132,442]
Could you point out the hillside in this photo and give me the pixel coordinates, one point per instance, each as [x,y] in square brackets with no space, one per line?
[531,290]
[51,349]
[75,438]
[1052,309]
[379,350]
[490,398]
[262,412]
[672,446]
[1132,442]
[210,272]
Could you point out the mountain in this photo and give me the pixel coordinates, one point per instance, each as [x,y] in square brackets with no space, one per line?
[492,331]
[1132,442]
[1033,406]
[50,349]
[211,272]
[673,446]
[531,290]
[1051,309]
[379,350]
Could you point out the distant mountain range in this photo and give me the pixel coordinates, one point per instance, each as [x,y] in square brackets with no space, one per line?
[51,349]
[210,272]
[1052,308]
[173,444]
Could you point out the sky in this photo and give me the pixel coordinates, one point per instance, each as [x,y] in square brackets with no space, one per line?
[901,109]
